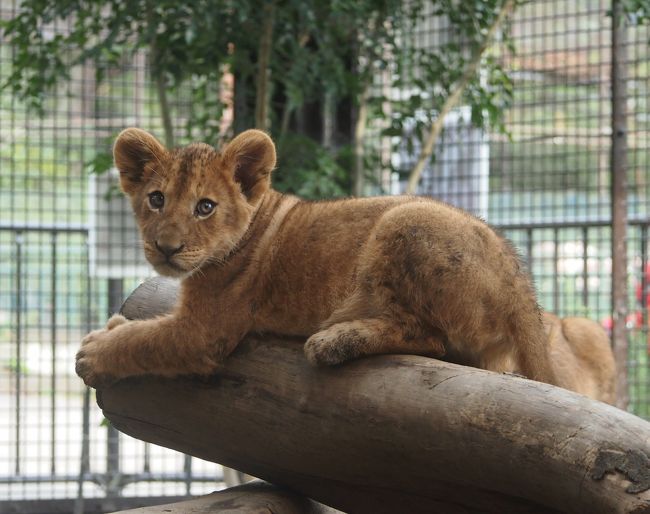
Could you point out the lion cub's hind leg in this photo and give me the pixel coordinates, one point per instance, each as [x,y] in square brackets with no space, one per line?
[348,340]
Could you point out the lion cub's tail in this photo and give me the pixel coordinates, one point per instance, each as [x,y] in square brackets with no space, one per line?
[534,360]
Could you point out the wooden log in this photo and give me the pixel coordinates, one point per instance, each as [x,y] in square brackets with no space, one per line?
[392,433]
[253,498]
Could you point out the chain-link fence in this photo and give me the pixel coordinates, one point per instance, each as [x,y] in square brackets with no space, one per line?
[69,252]
[548,181]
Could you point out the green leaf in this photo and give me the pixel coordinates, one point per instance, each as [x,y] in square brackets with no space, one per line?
[101,163]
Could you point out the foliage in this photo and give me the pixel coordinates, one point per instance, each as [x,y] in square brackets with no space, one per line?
[637,11]
[428,76]
[320,48]
[310,171]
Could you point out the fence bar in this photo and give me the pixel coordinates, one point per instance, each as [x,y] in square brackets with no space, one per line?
[529,250]
[644,277]
[53,337]
[113,487]
[84,464]
[18,238]
[556,271]
[640,386]
[100,478]
[66,228]
[147,459]
[618,164]
[187,469]
[585,268]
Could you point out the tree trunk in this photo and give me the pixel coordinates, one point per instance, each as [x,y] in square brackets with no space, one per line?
[165,113]
[264,57]
[619,171]
[360,122]
[158,76]
[329,120]
[391,433]
[253,498]
[454,97]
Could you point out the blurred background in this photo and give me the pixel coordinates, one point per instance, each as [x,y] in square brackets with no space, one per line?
[533,115]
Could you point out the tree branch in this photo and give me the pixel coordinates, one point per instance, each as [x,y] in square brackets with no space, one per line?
[264,57]
[389,434]
[455,96]
[252,498]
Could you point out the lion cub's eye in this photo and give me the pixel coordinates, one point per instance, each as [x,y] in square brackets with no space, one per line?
[205,207]
[156,200]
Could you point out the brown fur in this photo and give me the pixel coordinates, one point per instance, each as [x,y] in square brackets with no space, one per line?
[581,356]
[356,276]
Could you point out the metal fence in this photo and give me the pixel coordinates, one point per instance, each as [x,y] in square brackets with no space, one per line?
[550,184]
[69,253]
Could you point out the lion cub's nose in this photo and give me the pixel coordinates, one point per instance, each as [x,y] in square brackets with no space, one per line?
[168,249]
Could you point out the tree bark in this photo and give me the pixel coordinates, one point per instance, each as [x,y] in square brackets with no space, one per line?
[358,177]
[253,498]
[158,76]
[165,112]
[391,433]
[619,170]
[329,120]
[266,44]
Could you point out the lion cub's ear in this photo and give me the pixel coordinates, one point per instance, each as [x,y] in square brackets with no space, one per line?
[133,149]
[252,157]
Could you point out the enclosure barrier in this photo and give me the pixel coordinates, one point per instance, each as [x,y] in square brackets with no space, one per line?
[390,433]
[114,479]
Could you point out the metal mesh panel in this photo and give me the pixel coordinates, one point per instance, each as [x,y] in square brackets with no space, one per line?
[638,175]
[554,175]
[550,178]
[69,253]
[547,182]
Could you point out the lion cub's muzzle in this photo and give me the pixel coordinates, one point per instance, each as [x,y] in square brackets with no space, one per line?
[168,250]
[166,257]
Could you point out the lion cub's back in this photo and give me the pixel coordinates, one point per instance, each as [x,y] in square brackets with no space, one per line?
[316,252]
[351,220]
[320,244]
[336,228]
[326,237]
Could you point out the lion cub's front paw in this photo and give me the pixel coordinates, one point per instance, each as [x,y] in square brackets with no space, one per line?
[92,355]
[91,363]
[115,321]
[85,368]
[322,349]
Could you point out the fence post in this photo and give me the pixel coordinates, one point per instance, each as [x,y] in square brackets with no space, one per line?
[19,241]
[113,472]
[618,165]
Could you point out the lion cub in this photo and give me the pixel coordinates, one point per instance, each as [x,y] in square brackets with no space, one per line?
[581,356]
[357,276]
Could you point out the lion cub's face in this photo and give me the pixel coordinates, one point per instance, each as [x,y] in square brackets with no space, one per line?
[193,204]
